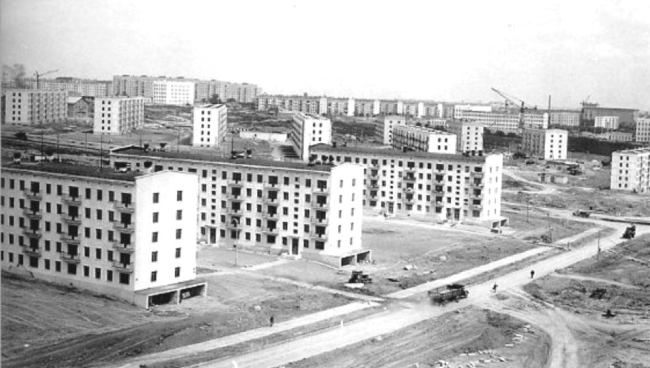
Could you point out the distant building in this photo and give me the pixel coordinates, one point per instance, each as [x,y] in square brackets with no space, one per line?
[75,86]
[505,122]
[306,104]
[566,118]
[210,123]
[81,107]
[592,110]
[631,170]
[364,107]
[422,139]
[642,130]
[118,115]
[469,135]
[470,108]
[549,144]
[173,92]
[309,211]
[307,130]
[617,136]
[384,129]
[446,187]
[130,235]
[34,107]
[606,122]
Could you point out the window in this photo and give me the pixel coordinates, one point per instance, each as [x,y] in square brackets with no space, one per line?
[86,271]
[156,197]
[154,237]
[178,252]
[179,195]
[98,273]
[178,233]
[154,276]
[98,253]
[177,272]
[179,214]
[154,256]
[155,217]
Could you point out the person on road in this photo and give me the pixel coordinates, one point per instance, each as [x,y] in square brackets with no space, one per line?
[271,321]
[494,288]
[532,273]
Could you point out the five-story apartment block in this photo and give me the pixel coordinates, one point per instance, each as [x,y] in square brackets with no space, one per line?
[312,211]
[384,128]
[423,139]
[631,170]
[307,130]
[34,107]
[118,115]
[469,135]
[443,186]
[210,123]
[122,234]
[549,144]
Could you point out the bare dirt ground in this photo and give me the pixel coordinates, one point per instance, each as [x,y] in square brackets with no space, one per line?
[470,335]
[73,329]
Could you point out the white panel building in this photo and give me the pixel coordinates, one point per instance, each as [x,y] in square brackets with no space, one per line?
[307,130]
[167,92]
[384,129]
[642,130]
[631,170]
[118,115]
[34,107]
[423,139]
[606,122]
[549,144]
[209,125]
[469,135]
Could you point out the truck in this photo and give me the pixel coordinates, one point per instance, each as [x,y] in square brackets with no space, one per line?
[630,232]
[452,292]
[581,213]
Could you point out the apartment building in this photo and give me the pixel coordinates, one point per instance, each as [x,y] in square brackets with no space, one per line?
[365,107]
[118,115]
[307,130]
[74,86]
[617,136]
[169,92]
[130,235]
[470,108]
[592,110]
[469,135]
[80,107]
[384,128]
[568,118]
[445,187]
[130,85]
[310,211]
[307,104]
[423,140]
[210,124]
[505,122]
[631,170]
[606,122]
[642,130]
[549,144]
[34,107]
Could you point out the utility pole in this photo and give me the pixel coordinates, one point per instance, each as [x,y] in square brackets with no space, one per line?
[42,150]
[58,151]
[598,254]
[101,151]
[550,229]
[527,207]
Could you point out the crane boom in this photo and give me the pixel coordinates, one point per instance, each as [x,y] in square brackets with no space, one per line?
[38,76]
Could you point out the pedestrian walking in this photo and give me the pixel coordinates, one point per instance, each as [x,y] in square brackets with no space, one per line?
[271,321]
[532,273]
[494,288]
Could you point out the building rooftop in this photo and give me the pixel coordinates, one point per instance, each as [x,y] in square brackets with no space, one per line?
[634,151]
[422,129]
[206,157]
[68,169]
[73,100]
[397,153]
[310,115]
[209,106]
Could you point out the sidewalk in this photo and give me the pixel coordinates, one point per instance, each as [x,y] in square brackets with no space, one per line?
[250,334]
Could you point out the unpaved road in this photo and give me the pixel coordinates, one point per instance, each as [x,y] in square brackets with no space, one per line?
[563,355]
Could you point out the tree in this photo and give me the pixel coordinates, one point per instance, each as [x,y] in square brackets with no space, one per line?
[214,99]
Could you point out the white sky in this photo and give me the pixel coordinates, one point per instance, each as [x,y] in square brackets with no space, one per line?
[439,50]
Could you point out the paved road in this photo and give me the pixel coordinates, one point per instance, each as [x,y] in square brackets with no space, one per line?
[391,321]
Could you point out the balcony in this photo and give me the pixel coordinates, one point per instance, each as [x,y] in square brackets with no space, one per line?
[124,207]
[236,183]
[321,190]
[124,227]
[33,233]
[477,175]
[234,211]
[318,236]
[235,197]
[319,219]
[31,214]
[374,185]
[270,230]
[72,220]
[318,204]
[439,192]
[271,186]
[71,258]
[33,196]
[123,248]
[71,201]
[269,200]
[409,200]
[123,267]
[410,170]
[272,215]
[69,239]
[440,204]
[34,252]
[374,165]
[409,178]
[478,184]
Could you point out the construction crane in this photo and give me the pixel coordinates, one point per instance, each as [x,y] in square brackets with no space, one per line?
[38,76]
[512,101]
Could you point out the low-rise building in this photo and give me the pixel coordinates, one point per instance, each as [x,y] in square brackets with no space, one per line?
[549,144]
[423,140]
[617,136]
[606,122]
[505,122]
[173,92]
[443,186]
[384,128]
[469,135]
[631,170]
[307,130]
[210,124]
[34,107]
[311,211]
[642,130]
[131,235]
[118,115]
[568,118]
[81,107]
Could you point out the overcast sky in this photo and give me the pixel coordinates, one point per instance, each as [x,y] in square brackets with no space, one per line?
[439,50]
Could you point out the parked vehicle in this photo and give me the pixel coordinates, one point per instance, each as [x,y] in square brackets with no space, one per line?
[453,292]
[581,213]
[359,277]
[630,232]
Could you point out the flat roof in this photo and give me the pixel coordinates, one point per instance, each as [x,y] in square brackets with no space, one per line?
[397,153]
[75,169]
[635,150]
[209,106]
[205,157]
